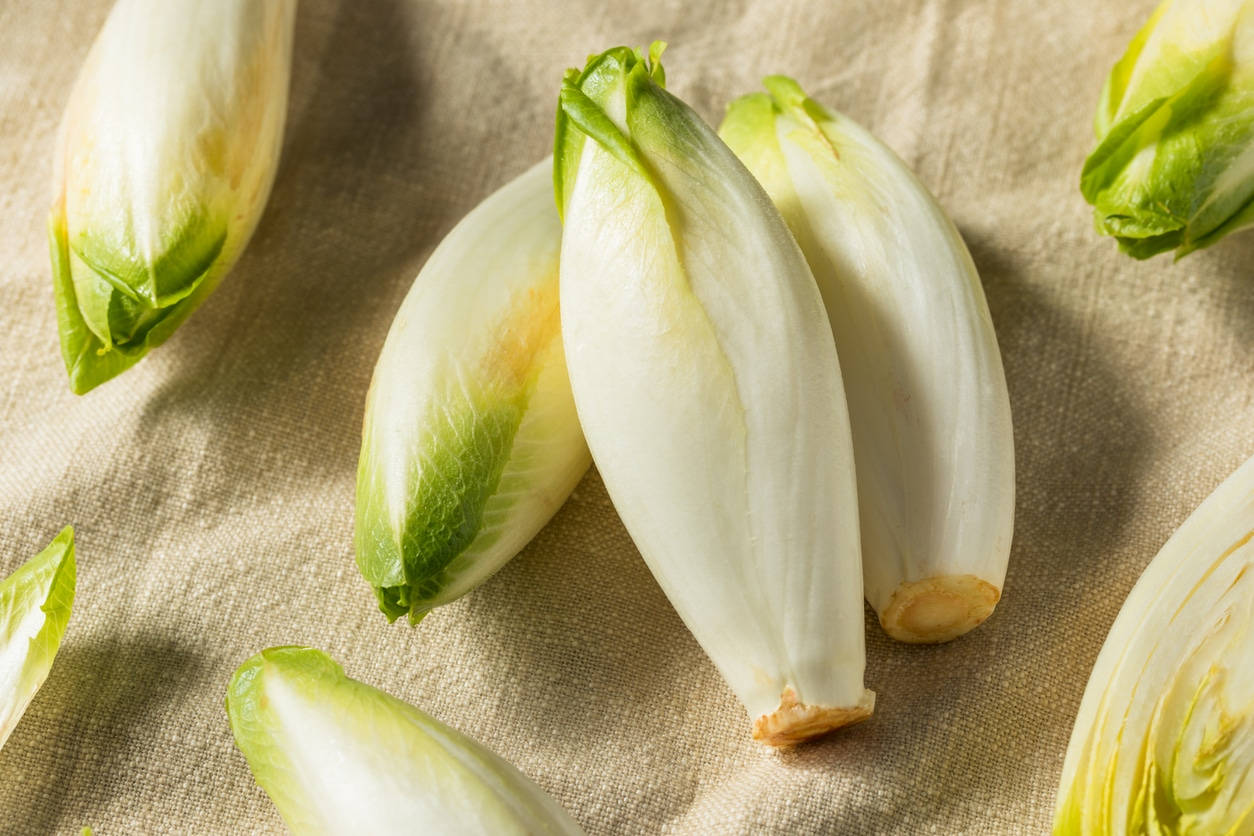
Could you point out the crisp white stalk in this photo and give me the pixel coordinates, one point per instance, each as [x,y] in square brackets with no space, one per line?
[927,394]
[337,756]
[471,442]
[1164,739]
[35,604]
[164,162]
[707,383]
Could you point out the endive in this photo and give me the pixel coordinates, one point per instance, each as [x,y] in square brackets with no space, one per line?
[35,606]
[1164,739]
[923,376]
[1174,165]
[471,441]
[337,756]
[164,161]
[707,383]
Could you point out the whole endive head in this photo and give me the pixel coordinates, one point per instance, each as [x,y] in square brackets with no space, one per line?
[35,604]
[709,390]
[1174,165]
[470,441]
[338,756]
[1164,738]
[927,395]
[165,158]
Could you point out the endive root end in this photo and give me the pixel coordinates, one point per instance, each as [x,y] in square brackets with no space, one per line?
[938,609]
[795,722]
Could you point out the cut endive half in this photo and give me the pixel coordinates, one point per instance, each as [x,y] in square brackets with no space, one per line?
[35,604]
[707,383]
[1174,164]
[923,375]
[337,756]
[471,441]
[164,162]
[1164,740]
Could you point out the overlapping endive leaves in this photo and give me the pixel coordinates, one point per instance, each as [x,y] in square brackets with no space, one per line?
[923,375]
[1164,739]
[471,442]
[164,162]
[337,756]
[35,604]
[707,383]
[1174,165]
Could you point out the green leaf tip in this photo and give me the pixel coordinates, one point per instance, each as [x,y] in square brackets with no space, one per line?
[785,91]
[35,604]
[465,451]
[789,97]
[750,119]
[581,110]
[395,601]
[308,661]
[754,123]
[59,553]
[1172,166]
[106,331]
[170,276]
[57,559]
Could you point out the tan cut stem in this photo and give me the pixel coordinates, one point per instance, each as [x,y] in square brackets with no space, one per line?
[938,609]
[795,722]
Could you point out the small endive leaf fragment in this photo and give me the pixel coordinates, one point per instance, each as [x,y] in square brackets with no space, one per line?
[164,161]
[1164,738]
[35,604]
[708,387]
[338,756]
[923,376]
[471,441]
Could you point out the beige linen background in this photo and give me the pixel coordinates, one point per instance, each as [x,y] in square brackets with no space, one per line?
[212,485]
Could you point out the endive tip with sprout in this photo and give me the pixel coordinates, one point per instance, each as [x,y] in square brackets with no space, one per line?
[470,441]
[707,384]
[927,396]
[1164,738]
[338,756]
[164,161]
[1174,165]
[35,603]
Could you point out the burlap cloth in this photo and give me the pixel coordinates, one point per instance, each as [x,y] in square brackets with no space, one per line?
[212,485]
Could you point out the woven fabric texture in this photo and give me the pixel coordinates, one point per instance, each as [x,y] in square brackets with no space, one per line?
[212,485]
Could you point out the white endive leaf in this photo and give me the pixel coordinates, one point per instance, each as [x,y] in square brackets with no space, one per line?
[1164,739]
[471,441]
[707,383]
[337,756]
[927,394]
[35,604]
[164,162]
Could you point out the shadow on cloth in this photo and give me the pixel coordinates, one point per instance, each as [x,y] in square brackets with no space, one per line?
[81,733]
[1081,440]
[1081,429]
[578,621]
[1238,270]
